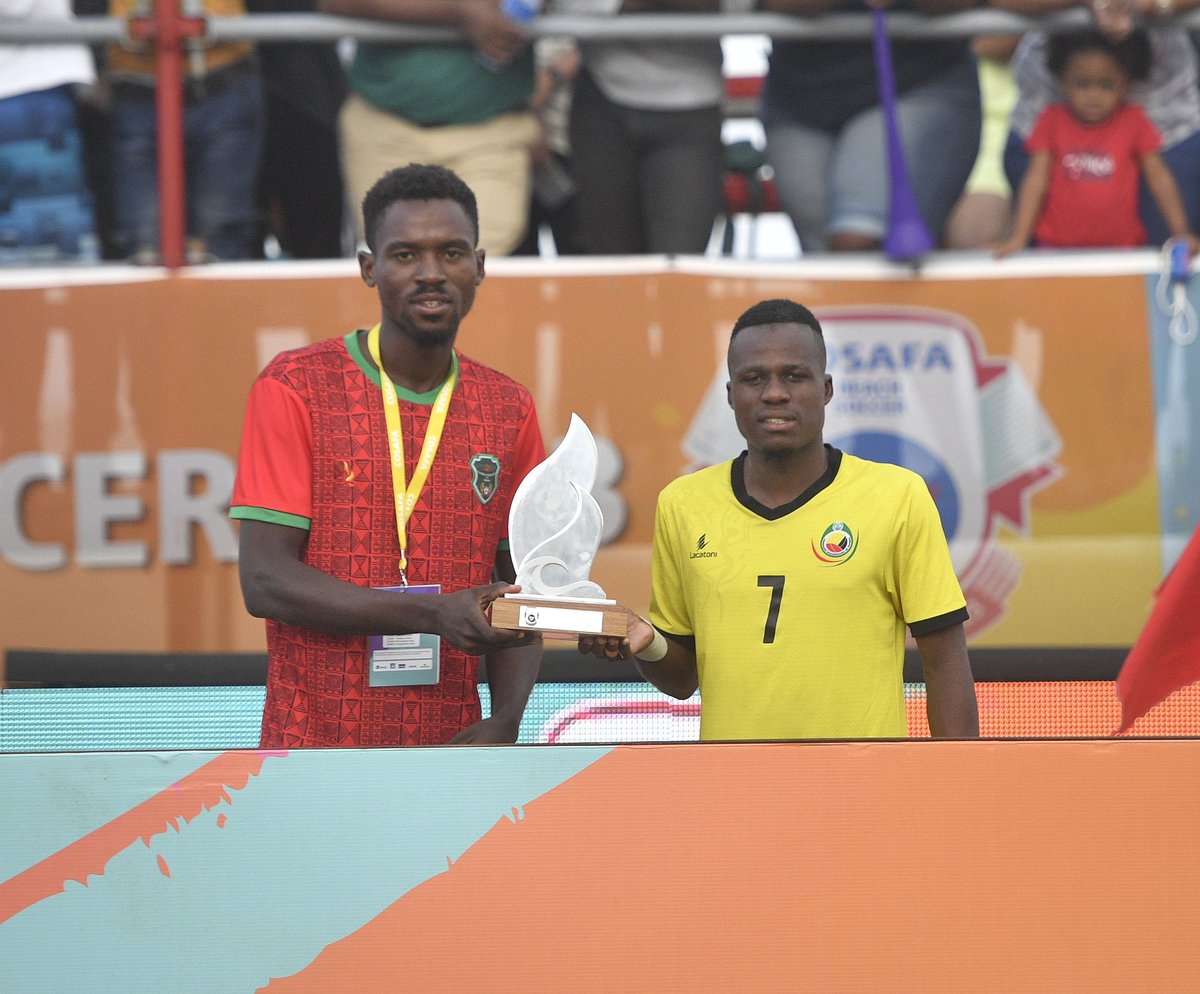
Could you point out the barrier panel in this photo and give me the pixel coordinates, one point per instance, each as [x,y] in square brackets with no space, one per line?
[825,867]
[1044,401]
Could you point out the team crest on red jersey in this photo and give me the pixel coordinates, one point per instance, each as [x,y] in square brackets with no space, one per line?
[836,546]
[485,476]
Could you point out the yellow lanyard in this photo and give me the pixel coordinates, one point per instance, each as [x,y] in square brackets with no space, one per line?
[406,493]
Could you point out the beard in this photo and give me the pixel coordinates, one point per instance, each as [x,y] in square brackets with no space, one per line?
[428,336]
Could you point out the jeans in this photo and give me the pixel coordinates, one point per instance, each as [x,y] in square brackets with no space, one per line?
[648,180]
[1182,158]
[45,203]
[222,143]
[837,182]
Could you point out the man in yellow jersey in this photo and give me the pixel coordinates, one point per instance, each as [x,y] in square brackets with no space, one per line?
[783,579]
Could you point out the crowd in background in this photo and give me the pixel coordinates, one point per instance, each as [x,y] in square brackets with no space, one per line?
[601,146]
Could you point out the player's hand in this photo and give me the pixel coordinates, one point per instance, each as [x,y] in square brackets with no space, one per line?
[638,635]
[461,619]
[497,38]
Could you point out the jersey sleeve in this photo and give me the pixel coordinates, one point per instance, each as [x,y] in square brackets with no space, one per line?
[930,595]
[668,605]
[274,471]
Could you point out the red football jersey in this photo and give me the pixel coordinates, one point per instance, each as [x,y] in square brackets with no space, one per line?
[314,455]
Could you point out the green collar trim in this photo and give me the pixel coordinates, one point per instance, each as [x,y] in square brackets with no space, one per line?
[365,364]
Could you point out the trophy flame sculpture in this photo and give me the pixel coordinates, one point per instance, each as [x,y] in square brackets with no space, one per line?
[554,530]
[555,524]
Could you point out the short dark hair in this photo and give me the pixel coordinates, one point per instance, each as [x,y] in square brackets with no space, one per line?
[1131,53]
[778,310]
[416,182]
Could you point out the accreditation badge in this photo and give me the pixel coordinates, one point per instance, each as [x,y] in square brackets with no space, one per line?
[406,660]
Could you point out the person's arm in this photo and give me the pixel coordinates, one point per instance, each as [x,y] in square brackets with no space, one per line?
[1030,198]
[511,674]
[277,584]
[1165,191]
[950,701]
[482,22]
[674,673]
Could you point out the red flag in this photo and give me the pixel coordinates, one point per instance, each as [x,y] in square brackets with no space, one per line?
[1166,655]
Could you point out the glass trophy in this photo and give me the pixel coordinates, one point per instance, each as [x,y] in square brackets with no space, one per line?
[554,529]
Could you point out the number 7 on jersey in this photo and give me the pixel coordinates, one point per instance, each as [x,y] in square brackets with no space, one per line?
[776,585]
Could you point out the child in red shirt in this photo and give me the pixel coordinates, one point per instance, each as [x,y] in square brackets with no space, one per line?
[1086,153]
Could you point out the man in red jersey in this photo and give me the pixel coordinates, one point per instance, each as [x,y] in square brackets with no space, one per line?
[374,508]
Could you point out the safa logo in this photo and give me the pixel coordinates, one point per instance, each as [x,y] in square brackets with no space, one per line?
[836,545]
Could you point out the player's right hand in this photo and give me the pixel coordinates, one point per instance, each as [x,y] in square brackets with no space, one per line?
[463,622]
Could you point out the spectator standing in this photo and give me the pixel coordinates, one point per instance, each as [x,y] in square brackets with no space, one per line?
[222,139]
[646,148]
[302,197]
[553,202]
[1169,95]
[464,107]
[1086,152]
[983,214]
[825,130]
[45,204]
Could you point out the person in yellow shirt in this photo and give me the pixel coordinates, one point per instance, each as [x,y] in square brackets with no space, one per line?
[783,579]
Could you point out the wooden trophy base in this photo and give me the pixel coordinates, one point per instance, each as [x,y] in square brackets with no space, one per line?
[558,617]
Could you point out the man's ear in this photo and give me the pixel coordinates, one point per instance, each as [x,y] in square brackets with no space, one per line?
[729,393]
[366,267]
[480,255]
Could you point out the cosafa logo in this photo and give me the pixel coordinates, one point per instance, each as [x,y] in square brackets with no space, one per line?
[836,545]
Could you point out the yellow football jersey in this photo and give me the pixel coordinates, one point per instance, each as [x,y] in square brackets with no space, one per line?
[798,612]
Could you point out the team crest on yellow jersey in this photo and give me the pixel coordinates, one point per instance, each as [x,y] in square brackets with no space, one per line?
[836,546]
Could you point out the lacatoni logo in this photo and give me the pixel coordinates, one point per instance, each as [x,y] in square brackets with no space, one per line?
[529,616]
[836,545]
[701,551]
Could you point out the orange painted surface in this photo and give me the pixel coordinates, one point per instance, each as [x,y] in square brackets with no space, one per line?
[197,792]
[932,867]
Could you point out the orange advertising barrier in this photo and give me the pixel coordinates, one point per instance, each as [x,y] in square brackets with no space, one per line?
[122,393]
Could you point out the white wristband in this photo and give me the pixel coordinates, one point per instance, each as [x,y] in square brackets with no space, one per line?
[655,650]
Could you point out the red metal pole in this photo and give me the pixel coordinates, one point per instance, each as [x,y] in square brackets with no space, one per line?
[169,28]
